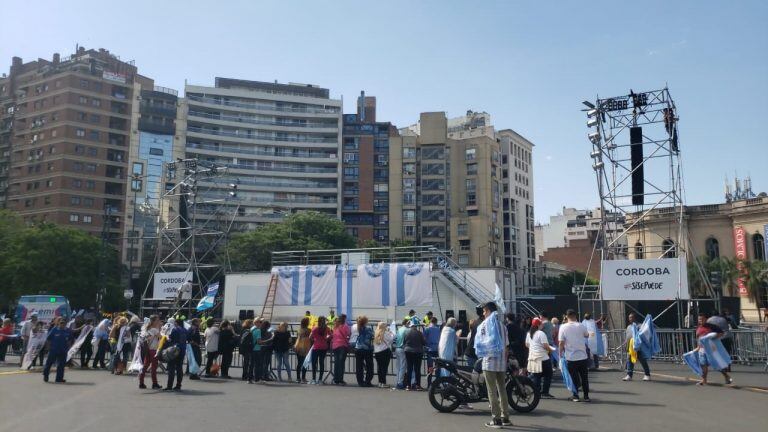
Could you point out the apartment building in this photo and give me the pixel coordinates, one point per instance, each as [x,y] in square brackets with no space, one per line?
[69,121]
[281,143]
[445,192]
[365,167]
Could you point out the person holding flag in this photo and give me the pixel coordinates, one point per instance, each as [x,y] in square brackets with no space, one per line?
[491,345]
[711,351]
[632,329]
[574,350]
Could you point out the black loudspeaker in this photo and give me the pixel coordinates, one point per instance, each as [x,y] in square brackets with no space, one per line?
[242,315]
[636,147]
[462,316]
[249,314]
[449,314]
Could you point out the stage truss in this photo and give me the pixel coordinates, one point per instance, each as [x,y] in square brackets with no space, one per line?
[196,216]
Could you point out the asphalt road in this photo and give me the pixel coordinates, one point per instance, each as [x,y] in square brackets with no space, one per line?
[96,399]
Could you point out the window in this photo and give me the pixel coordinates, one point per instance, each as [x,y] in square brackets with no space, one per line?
[93,135]
[87,219]
[464,245]
[77,183]
[350,144]
[155,151]
[409,185]
[639,251]
[84,83]
[433,184]
[80,132]
[90,184]
[432,153]
[669,248]
[74,200]
[81,115]
[409,169]
[471,185]
[138,168]
[471,169]
[712,248]
[433,231]
[381,187]
[74,218]
[77,166]
[463,259]
[758,245]
[95,118]
[351,172]
[409,198]
[409,152]
[96,102]
[462,229]
[352,158]
[49,183]
[83,100]
[470,154]
[409,231]
[409,215]
[88,202]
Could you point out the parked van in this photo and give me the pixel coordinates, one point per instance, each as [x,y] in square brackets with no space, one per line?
[47,307]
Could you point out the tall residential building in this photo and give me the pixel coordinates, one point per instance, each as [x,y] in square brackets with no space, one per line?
[281,143]
[69,140]
[518,217]
[7,107]
[152,145]
[445,192]
[365,167]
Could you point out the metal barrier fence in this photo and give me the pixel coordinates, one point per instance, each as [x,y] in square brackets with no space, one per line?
[749,346]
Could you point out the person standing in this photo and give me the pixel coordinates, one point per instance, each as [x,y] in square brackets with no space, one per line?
[267,339]
[86,349]
[590,324]
[320,337]
[491,345]
[227,343]
[573,347]
[59,339]
[400,354]
[628,335]
[720,320]
[539,361]
[449,339]
[211,345]
[281,343]
[427,318]
[101,337]
[177,338]
[246,347]
[26,333]
[364,353]
[704,328]
[340,346]
[413,345]
[432,337]
[382,351]
[469,353]
[149,340]
[257,361]
[5,338]
[517,346]
[195,342]
[302,346]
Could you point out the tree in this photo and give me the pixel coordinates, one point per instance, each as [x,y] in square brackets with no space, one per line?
[300,231]
[50,259]
[755,279]
[564,283]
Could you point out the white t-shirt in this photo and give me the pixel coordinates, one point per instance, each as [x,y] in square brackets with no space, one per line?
[386,343]
[574,335]
[537,345]
[26,329]
[212,339]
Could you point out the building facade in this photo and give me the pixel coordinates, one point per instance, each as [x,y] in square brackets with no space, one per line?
[365,171]
[281,143]
[69,121]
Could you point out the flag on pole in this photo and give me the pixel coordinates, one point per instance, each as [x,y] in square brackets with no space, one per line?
[207,301]
[645,339]
[308,360]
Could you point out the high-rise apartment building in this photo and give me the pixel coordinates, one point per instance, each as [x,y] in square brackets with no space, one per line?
[365,167]
[152,145]
[445,189]
[7,106]
[281,143]
[70,121]
[518,217]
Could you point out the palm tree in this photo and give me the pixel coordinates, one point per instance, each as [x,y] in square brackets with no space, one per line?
[756,278]
[729,273]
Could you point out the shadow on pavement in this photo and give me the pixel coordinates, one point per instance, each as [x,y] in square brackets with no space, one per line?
[536,428]
[73,383]
[552,414]
[613,402]
[613,392]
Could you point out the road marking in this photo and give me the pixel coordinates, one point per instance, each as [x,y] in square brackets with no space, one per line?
[14,372]
[748,388]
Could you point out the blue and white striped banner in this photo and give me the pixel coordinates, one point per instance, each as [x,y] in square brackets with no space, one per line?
[210,295]
[717,356]
[344,289]
[691,358]
[305,285]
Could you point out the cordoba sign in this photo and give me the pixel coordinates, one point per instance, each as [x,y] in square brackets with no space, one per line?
[646,279]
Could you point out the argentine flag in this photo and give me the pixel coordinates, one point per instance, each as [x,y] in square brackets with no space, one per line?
[691,359]
[645,339]
[305,285]
[717,356]
[567,380]
[207,301]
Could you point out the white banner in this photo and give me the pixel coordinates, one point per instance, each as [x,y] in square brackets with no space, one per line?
[167,285]
[646,279]
[305,285]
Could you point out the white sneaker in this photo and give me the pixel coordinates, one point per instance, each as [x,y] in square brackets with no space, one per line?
[647,378]
[627,378]
[313,382]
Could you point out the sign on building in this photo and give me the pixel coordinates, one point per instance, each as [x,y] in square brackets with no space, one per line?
[740,244]
[644,279]
[167,285]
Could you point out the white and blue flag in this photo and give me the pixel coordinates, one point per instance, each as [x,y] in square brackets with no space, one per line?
[691,358]
[305,285]
[715,352]
[207,301]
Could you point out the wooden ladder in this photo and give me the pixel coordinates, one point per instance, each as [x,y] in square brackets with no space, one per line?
[269,303]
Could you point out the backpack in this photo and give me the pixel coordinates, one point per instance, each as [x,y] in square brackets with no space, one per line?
[246,341]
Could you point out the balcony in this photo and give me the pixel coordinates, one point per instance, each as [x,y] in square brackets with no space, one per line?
[153,126]
[331,170]
[275,153]
[247,120]
[262,107]
[251,136]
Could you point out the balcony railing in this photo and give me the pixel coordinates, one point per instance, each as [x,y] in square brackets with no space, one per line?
[260,137]
[228,149]
[283,169]
[247,120]
[263,107]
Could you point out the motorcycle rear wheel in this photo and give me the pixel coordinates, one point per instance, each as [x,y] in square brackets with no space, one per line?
[442,395]
[523,397]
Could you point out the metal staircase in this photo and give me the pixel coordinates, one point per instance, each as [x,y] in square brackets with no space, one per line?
[460,280]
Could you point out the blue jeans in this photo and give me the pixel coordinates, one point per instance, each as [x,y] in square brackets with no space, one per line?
[643,363]
[60,359]
[400,358]
[281,359]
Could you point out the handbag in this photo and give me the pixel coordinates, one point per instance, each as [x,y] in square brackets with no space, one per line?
[170,354]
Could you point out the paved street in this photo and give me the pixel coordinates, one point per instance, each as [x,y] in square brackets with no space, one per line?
[92,399]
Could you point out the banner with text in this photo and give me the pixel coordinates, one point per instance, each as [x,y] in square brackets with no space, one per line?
[167,285]
[740,244]
[644,279]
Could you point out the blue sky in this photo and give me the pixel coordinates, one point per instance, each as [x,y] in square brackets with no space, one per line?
[529,64]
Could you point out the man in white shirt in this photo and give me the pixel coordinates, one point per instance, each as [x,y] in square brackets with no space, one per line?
[573,345]
[211,345]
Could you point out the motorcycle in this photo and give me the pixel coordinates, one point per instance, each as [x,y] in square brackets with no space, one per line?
[465,384]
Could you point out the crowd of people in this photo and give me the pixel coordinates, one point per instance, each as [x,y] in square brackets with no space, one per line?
[538,344]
